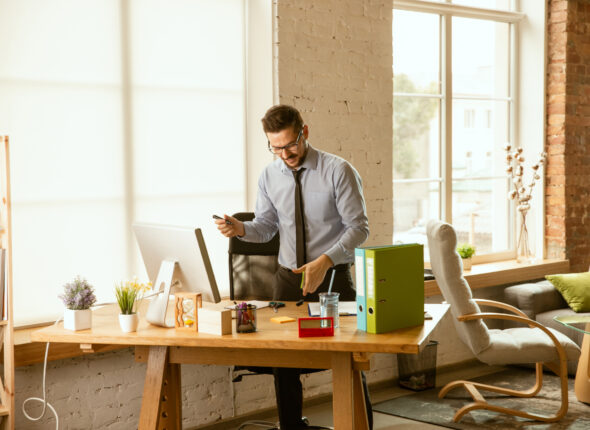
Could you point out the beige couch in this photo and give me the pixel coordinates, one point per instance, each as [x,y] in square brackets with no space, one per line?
[541,302]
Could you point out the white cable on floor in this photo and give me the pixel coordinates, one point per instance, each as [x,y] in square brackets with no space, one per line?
[43,400]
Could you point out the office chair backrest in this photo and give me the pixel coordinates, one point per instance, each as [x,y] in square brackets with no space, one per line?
[252,266]
[448,271]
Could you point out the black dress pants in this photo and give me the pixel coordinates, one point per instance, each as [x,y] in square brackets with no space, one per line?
[288,388]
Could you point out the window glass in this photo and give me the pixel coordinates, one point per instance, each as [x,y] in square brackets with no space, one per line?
[481,57]
[421,71]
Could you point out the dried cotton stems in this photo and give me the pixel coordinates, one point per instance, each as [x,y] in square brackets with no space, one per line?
[522,192]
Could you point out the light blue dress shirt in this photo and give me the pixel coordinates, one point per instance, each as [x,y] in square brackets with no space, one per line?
[333,203]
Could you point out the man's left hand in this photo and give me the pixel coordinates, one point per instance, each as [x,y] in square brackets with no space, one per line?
[315,272]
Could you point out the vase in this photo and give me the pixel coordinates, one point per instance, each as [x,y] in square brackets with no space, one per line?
[80,319]
[523,250]
[466,263]
[128,322]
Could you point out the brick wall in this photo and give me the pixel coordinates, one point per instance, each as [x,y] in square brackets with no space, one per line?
[567,189]
[334,60]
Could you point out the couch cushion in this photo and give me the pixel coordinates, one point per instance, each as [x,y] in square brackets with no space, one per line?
[526,345]
[534,298]
[575,289]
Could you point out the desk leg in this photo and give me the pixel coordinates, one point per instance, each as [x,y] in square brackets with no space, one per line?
[361,421]
[161,404]
[582,383]
[348,403]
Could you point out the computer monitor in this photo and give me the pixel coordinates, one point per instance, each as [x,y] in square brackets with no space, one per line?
[175,259]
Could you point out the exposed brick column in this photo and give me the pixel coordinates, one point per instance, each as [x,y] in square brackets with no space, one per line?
[334,64]
[567,189]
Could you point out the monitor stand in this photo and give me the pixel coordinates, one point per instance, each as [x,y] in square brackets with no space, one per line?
[156,313]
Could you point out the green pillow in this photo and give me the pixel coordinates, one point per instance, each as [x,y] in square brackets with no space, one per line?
[575,289]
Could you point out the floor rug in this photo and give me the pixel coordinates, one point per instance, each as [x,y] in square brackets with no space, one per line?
[426,407]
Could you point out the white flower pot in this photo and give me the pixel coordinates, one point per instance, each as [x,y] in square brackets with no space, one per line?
[129,322]
[77,319]
[466,263]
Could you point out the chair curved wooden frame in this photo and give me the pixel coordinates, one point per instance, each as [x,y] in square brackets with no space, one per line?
[559,368]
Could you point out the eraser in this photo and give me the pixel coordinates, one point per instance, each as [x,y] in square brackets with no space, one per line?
[282,320]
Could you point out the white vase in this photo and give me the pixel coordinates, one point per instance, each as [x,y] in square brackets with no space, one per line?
[129,322]
[466,263]
[77,319]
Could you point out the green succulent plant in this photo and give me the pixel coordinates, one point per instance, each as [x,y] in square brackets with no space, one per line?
[466,250]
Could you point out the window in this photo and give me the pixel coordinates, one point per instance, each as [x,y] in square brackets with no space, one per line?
[118,111]
[454,102]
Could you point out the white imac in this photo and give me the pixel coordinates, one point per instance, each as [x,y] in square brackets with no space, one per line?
[175,259]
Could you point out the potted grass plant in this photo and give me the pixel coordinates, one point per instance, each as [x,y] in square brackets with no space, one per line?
[78,297]
[128,295]
[466,251]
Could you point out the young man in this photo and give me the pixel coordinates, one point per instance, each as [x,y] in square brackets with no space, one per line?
[315,201]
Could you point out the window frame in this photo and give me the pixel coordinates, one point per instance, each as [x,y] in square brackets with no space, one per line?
[446,11]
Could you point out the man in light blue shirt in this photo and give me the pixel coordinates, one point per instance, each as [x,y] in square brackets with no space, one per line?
[334,221]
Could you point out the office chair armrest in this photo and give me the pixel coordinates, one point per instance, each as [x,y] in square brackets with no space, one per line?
[525,320]
[505,306]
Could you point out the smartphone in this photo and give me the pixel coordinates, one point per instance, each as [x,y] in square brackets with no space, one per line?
[226,221]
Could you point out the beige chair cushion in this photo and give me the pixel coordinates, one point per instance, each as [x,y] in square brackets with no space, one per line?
[448,271]
[526,345]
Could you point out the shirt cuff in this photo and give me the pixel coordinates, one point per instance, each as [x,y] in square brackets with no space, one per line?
[248,232]
[338,255]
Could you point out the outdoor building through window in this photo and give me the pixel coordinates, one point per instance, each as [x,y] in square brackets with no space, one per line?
[454,111]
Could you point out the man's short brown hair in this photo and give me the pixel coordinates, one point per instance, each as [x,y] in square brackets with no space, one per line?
[281,117]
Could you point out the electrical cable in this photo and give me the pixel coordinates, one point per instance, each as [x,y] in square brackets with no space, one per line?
[44,401]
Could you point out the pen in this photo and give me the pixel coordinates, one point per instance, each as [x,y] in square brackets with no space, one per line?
[228,222]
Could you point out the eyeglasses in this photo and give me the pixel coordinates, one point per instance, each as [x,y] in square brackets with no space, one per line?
[288,147]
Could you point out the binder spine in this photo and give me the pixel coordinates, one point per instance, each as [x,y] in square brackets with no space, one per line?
[361,296]
[370,291]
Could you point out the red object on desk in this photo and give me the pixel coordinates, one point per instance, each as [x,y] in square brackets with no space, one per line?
[316,326]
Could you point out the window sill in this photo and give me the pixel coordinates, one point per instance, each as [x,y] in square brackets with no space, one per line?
[480,276]
[503,272]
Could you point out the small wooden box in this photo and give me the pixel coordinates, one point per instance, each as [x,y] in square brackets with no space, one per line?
[186,311]
[213,321]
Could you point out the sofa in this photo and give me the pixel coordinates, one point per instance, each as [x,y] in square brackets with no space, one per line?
[541,302]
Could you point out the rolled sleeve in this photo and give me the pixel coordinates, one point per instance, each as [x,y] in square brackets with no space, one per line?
[351,206]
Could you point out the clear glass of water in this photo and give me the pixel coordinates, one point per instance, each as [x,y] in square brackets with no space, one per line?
[329,306]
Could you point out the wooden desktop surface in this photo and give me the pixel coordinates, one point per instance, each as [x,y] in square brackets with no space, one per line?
[164,349]
[105,330]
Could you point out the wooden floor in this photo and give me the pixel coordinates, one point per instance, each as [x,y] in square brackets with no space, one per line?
[321,414]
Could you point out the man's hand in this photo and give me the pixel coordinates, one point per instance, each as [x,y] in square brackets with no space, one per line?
[236,228]
[315,272]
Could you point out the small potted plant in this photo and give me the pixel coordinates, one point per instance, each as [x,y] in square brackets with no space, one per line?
[466,251]
[129,294]
[78,296]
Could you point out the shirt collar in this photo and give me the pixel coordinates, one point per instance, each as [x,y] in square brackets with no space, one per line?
[310,162]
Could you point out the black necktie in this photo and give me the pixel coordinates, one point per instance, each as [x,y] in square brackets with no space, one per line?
[299,223]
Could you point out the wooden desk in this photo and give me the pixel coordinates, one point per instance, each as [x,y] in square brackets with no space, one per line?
[165,350]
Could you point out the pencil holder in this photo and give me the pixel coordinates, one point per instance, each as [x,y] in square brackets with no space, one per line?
[245,318]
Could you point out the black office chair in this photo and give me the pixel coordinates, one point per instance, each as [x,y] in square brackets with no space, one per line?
[252,267]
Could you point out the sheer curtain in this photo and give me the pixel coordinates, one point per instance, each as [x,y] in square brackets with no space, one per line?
[118,110]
